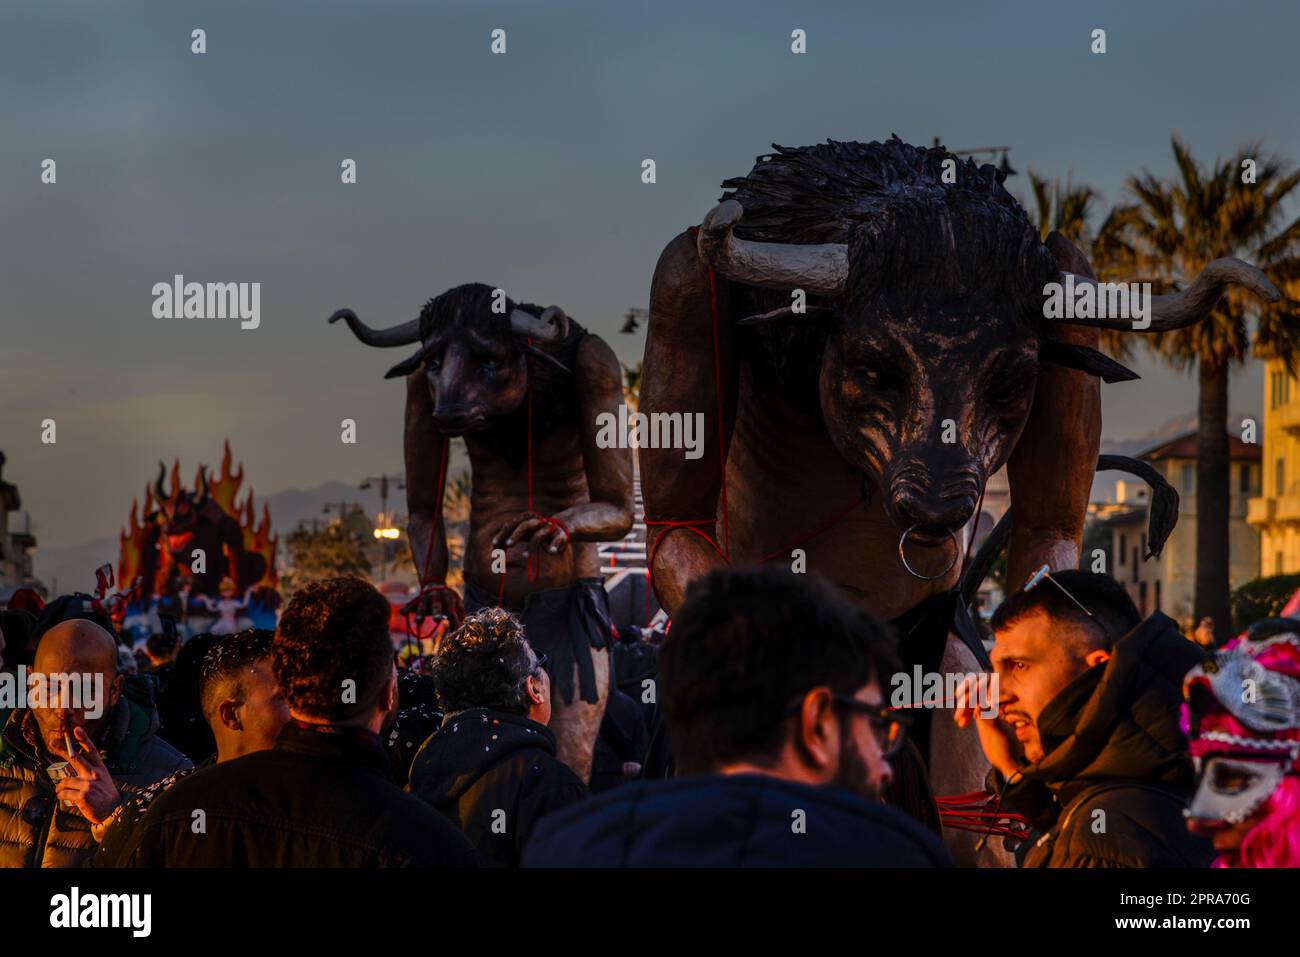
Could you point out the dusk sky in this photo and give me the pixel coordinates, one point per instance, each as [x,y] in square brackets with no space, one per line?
[520,171]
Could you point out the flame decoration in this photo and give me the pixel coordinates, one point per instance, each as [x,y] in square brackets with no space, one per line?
[141,527]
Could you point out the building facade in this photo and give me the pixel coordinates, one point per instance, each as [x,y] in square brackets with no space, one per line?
[1275,513]
[17,544]
[1168,583]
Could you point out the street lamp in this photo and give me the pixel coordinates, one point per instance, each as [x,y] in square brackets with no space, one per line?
[384,529]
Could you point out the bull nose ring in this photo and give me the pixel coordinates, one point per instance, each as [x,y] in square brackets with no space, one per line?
[902,555]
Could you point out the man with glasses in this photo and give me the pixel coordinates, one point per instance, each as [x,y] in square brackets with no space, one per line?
[771,684]
[1086,742]
[491,766]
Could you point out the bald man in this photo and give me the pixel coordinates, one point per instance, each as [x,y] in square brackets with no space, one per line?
[98,733]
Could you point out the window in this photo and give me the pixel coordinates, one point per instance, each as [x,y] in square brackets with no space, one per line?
[1123,546]
[1142,593]
[1277,563]
[1189,477]
[1157,594]
[1136,561]
[1279,477]
[1245,479]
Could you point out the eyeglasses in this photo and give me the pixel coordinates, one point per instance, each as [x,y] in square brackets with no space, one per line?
[1045,572]
[889,727]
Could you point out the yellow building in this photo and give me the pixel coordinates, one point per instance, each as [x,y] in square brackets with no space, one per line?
[1276,512]
[1168,583]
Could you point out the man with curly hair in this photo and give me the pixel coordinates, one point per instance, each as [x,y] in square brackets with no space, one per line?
[491,766]
[323,795]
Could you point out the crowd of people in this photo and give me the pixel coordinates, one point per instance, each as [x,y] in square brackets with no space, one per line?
[759,732]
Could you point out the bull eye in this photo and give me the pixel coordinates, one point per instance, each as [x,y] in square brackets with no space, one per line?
[1010,387]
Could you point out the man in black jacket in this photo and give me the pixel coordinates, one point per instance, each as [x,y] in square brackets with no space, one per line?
[1086,742]
[771,684]
[323,795]
[245,711]
[491,766]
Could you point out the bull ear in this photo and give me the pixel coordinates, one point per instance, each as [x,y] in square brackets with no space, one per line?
[1072,356]
[406,366]
[547,358]
[810,314]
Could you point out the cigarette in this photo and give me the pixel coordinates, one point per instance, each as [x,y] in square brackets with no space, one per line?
[67,742]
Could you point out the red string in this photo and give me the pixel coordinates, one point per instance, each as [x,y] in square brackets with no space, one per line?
[971,812]
[534,567]
[805,539]
[428,584]
[717,398]
[724,550]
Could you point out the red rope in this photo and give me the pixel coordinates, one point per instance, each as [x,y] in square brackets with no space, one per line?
[534,568]
[428,584]
[805,539]
[717,398]
[971,812]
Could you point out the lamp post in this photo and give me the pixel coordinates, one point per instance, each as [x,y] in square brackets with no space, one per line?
[385,531]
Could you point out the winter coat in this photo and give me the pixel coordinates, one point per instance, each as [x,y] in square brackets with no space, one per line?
[321,797]
[1116,775]
[495,775]
[35,829]
[742,820]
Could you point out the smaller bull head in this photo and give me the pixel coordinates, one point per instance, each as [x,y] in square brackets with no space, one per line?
[474,360]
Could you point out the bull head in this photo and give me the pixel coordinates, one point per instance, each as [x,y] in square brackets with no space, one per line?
[475,374]
[928,406]
[180,511]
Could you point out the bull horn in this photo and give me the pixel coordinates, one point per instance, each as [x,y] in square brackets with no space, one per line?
[819,268]
[400,335]
[1180,309]
[158,492]
[553,326]
[203,484]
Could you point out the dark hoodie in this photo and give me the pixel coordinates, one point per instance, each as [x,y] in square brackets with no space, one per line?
[1115,776]
[732,820]
[495,775]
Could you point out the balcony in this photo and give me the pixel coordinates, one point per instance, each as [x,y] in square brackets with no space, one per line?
[1287,417]
[1261,511]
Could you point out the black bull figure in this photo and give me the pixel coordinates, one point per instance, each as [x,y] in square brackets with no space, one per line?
[525,388]
[865,327]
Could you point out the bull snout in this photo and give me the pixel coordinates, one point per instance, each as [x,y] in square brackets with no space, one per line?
[456,420]
[933,518]
[933,511]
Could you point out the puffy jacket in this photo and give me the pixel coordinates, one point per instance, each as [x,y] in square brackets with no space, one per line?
[495,775]
[35,830]
[321,797]
[742,820]
[1115,776]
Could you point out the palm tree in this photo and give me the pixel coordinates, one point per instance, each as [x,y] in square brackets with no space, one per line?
[1062,207]
[1066,209]
[1171,230]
